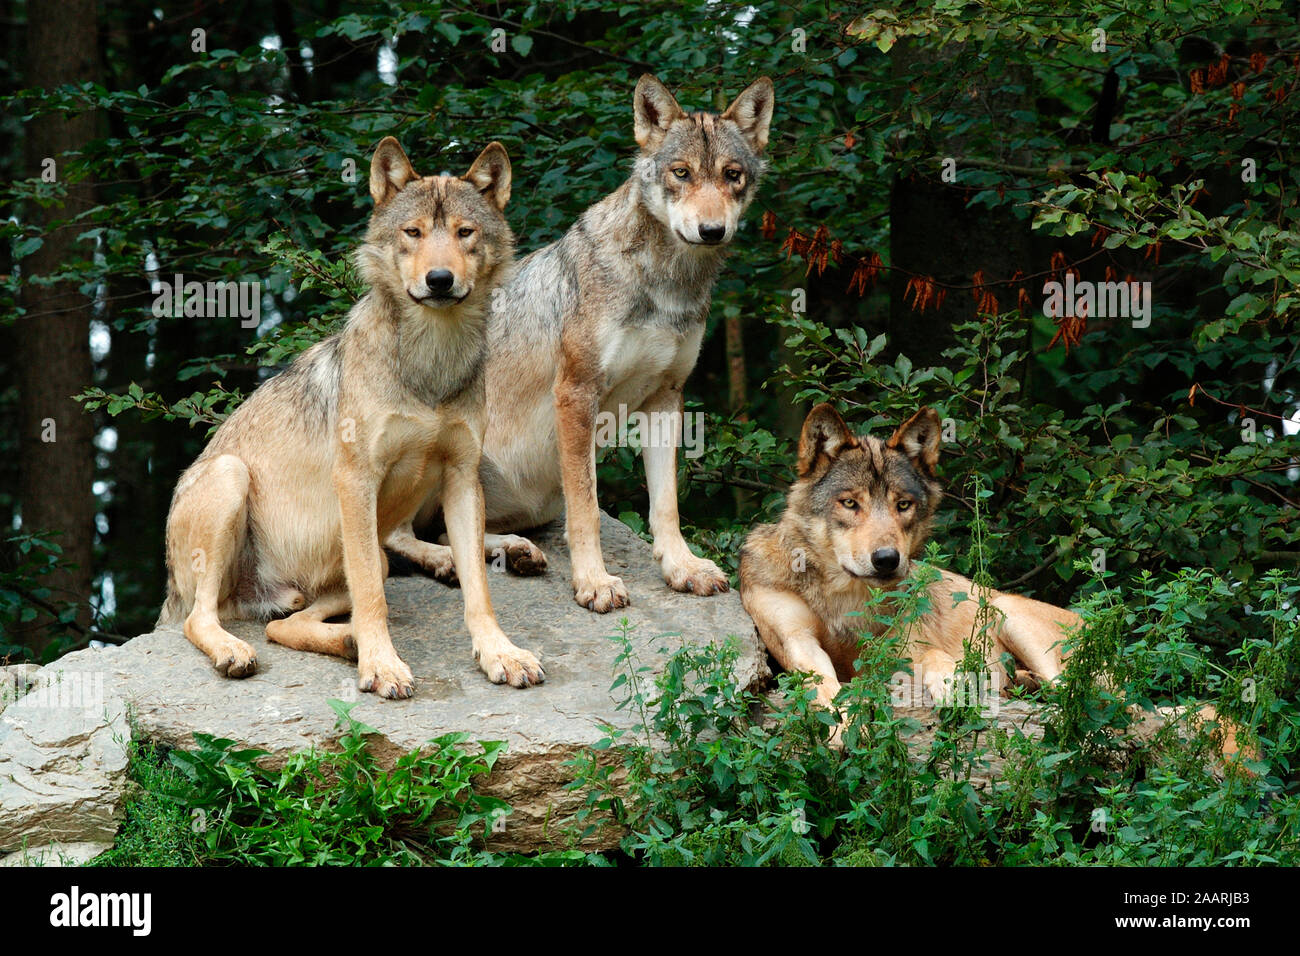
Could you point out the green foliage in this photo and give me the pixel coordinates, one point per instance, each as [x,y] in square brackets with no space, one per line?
[715,775]
[340,808]
[25,594]
[218,804]
[157,827]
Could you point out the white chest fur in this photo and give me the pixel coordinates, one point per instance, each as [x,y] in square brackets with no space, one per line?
[636,360]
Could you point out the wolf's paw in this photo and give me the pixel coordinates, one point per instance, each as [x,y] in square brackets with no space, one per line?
[941,689]
[511,665]
[698,576]
[235,658]
[600,593]
[387,676]
[1023,678]
[523,557]
[435,560]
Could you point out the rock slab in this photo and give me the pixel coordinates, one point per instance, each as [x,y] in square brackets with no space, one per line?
[173,692]
[63,762]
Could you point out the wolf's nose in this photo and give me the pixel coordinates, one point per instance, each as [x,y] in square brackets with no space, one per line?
[710,232]
[440,280]
[885,559]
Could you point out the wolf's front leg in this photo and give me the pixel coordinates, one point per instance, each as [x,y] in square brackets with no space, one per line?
[502,661]
[790,630]
[379,668]
[576,404]
[681,568]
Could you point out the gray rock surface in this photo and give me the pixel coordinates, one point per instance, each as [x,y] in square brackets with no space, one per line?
[56,854]
[14,682]
[63,746]
[173,691]
[63,761]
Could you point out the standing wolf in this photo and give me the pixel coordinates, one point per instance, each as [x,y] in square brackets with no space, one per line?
[286,507]
[611,317]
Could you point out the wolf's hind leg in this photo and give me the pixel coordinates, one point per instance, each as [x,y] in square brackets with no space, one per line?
[521,556]
[306,630]
[1033,632]
[211,518]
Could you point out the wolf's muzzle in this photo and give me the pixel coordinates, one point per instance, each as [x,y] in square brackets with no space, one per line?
[712,233]
[440,282]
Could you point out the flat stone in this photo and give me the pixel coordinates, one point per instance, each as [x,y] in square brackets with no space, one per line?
[173,692]
[56,854]
[63,760]
[15,679]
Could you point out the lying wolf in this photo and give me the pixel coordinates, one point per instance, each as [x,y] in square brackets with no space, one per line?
[609,319]
[855,520]
[285,509]
[857,517]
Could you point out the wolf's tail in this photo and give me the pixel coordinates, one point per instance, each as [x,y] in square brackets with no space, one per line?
[174,610]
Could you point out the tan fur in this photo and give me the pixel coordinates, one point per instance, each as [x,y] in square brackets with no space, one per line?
[286,507]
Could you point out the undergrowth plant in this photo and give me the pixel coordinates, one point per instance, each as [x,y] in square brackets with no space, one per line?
[712,773]
[217,804]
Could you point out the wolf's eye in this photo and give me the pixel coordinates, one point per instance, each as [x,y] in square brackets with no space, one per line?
[732,175]
[681,172]
[412,232]
[464,232]
[849,504]
[904,506]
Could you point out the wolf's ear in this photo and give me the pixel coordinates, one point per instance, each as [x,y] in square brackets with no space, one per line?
[752,111]
[654,109]
[823,438]
[918,439]
[490,174]
[390,170]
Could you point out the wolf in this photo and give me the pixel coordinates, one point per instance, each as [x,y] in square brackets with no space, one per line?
[856,519]
[609,319]
[285,508]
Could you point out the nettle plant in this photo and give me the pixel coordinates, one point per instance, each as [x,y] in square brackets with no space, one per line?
[220,804]
[711,774]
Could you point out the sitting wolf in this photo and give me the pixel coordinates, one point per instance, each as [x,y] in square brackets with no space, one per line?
[609,319]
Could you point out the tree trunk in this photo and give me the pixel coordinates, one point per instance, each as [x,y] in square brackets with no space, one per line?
[737,392]
[53,334]
[932,233]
